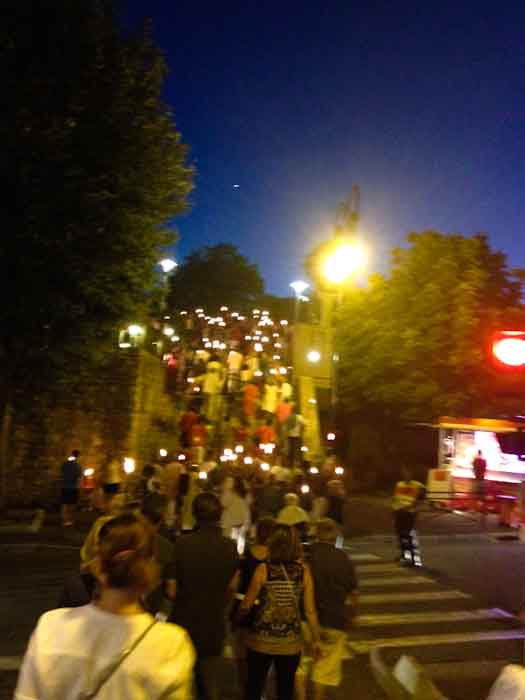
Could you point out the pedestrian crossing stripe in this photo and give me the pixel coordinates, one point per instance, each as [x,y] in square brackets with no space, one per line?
[378,581]
[411,596]
[362,557]
[382,569]
[363,647]
[414,618]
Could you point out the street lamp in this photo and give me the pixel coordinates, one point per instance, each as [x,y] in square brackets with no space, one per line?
[167,265]
[299,288]
[342,261]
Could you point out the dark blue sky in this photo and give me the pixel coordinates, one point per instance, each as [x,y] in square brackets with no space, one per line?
[420,103]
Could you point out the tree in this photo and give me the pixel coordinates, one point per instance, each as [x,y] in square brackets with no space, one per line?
[214,276]
[96,166]
[412,344]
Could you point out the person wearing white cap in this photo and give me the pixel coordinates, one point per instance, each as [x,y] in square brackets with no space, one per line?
[292,514]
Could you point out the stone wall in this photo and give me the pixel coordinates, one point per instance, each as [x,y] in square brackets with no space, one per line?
[124,412]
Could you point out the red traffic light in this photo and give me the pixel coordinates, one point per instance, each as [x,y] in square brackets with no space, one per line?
[508,349]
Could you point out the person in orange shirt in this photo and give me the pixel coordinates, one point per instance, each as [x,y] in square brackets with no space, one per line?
[199,436]
[250,400]
[266,433]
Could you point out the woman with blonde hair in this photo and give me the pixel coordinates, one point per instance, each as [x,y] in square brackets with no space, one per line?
[110,648]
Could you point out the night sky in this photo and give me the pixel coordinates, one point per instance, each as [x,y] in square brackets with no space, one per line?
[420,103]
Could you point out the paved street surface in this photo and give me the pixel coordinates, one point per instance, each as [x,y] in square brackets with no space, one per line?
[454,608]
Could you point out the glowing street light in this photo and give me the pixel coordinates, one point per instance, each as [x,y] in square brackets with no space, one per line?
[163,452]
[167,265]
[129,465]
[168,331]
[313,356]
[342,262]
[299,287]
[135,330]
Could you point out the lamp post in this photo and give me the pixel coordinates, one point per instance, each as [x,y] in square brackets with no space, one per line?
[167,265]
[299,288]
[343,259]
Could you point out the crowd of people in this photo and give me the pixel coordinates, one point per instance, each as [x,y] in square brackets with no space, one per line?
[150,609]
[228,539]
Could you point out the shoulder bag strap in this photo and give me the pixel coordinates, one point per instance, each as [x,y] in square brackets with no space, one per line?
[109,672]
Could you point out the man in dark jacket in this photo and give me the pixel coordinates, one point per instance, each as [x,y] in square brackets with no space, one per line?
[200,581]
[335,585]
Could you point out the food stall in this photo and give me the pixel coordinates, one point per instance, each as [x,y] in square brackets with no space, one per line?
[502,443]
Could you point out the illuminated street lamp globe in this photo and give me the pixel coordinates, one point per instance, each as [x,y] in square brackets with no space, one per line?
[167,265]
[299,287]
[342,262]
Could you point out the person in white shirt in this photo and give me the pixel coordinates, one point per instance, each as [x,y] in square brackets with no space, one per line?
[110,648]
[212,387]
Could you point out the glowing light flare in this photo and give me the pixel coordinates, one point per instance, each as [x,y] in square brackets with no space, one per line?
[299,287]
[167,265]
[135,330]
[248,460]
[239,449]
[163,452]
[510,351]
[265,466]
[339,471]
[168,331]
[258,347]
[283,370]
[314,470]
[330,437]
[203,475]
[305,488]
[313,356]
[342,262]
[89,472]
[181,457]
[304,448]
[129,465]
[284,323]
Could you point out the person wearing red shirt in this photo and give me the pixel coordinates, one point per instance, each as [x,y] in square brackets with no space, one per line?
[199,436]
[266,433]
[187,421]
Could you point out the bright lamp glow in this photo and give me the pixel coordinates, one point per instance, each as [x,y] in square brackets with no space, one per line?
[339,471]
[168,331]
[167,265]
[163,452]
[510,351]
[305,488]
[313,356]
[129,465]
[342,262]
[299,287]
[265,466]
[134,330]
[330,437]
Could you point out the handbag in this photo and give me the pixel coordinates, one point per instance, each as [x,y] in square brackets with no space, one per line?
[110,671]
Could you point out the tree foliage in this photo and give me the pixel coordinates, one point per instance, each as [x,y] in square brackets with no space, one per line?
[96,167]
[214,276]
[413,343]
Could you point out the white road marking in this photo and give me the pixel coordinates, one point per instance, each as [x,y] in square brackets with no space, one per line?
[362,557]
[363,647]
[378,581]
[430,617]
[382,569]
[411,597]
